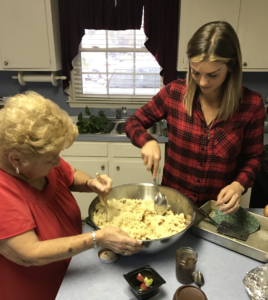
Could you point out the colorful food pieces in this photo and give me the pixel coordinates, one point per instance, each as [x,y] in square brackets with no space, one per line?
[140,278]
[146,282]
[149,282]
[143,286]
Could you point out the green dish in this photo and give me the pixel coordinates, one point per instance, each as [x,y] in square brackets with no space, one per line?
[241,218]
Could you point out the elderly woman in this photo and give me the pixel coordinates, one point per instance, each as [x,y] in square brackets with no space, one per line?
[40,221]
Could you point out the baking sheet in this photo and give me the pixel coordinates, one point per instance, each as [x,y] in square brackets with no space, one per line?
[256,246]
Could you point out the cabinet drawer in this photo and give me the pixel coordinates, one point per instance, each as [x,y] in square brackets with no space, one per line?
[86,149]
[125,150]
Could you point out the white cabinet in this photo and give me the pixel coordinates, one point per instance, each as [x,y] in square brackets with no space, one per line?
[91,166]
[248,18]
[253,34]
[90,158]
[126,165]
[87,149]
[195,13]
[120,161]
[29,35]
[129,170]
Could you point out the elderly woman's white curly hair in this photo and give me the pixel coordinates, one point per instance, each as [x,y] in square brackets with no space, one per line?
[31,124]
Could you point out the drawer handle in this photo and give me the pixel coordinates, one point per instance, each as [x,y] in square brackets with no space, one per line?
[117,168]
[103,167]
[245,64]
[5,63]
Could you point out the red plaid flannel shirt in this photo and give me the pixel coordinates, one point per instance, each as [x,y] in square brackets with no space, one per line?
[197,166]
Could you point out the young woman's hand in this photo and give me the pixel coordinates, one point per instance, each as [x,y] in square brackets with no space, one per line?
[151,155]
[118,240]
[231,196]
[103,188]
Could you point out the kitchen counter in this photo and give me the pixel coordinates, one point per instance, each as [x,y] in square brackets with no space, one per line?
[111,137]
[114,138]
[124,138]
[223,270]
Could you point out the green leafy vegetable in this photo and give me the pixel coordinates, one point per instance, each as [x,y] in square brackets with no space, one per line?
[93,124]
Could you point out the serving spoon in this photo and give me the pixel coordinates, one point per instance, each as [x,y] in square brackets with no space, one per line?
[160,201]
[110,210]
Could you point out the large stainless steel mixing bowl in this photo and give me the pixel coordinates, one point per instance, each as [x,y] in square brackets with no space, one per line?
[177,201]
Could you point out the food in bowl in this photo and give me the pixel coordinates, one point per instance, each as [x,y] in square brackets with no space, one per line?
[139,219]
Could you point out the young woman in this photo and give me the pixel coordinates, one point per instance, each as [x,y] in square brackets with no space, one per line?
[215,124]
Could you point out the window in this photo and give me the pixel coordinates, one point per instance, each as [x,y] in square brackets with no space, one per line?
[114,67]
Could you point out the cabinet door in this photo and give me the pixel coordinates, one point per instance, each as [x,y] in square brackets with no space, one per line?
[23,34]
[195,13]
[253,34]
[126,165]
[87,149]
[29,35]
[128,171]
[90,166]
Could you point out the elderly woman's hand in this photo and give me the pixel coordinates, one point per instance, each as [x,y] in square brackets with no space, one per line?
[231,195]
[103,188]
[118,241]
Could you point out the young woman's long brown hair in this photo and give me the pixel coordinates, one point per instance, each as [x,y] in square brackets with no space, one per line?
[217,41]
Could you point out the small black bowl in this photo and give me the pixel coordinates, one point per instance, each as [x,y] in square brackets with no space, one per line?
[135,284]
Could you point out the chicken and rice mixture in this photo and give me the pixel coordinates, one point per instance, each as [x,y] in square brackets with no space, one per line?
[139,220]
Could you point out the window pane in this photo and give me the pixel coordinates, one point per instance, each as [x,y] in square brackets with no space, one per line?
[93,61]
[124,67]
[147,84]
[146,63]
[94,84]
[121,84]
[117,59]
[94,38]
[121,38]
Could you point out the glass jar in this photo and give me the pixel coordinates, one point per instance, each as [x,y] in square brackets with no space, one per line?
[186,259]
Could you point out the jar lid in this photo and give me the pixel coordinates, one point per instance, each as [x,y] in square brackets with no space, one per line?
[186,292]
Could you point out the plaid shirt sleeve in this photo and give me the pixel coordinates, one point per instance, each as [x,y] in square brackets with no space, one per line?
[146,116]
[252,145]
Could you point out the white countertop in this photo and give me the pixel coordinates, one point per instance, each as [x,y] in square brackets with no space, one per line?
[223,270]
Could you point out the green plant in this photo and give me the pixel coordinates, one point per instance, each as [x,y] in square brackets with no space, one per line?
[93,124]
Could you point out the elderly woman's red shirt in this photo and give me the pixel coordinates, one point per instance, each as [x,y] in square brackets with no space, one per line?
[52,213]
